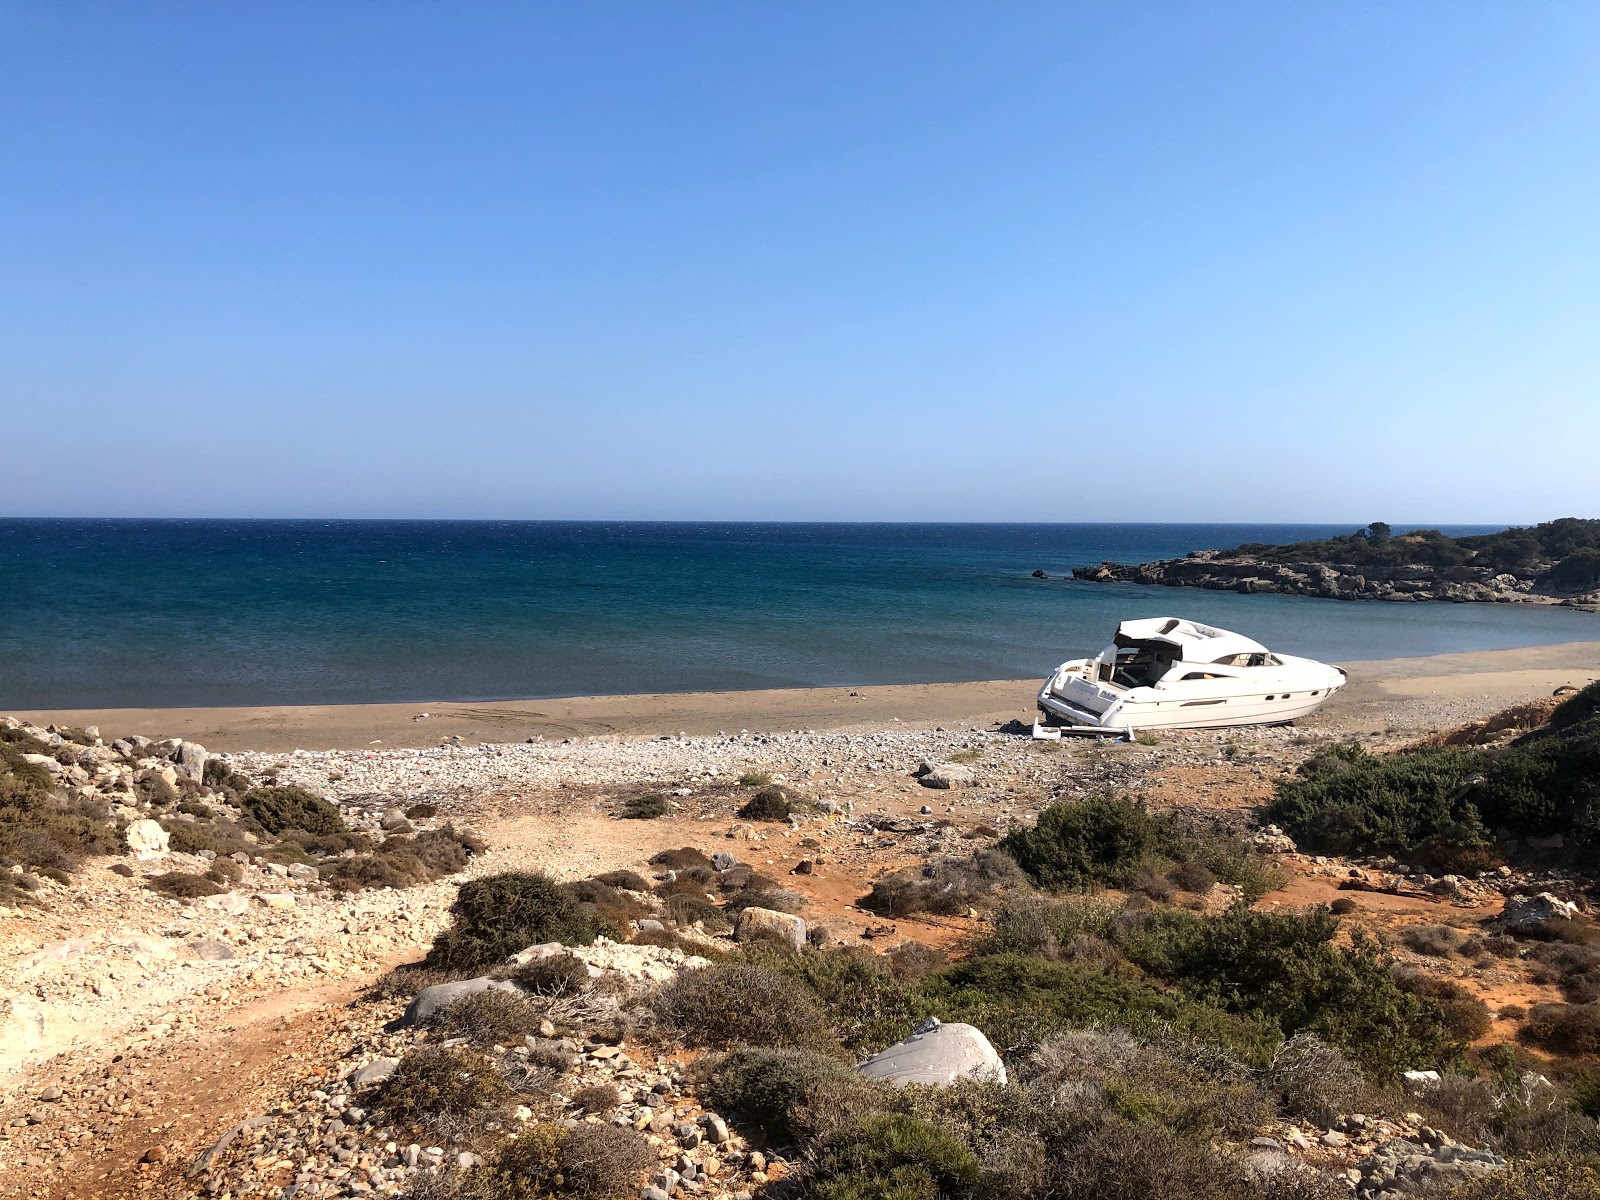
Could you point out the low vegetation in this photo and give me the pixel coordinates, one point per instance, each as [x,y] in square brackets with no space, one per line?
[494,917]
[1443,806]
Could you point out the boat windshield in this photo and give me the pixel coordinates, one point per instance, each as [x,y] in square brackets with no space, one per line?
[1139,665]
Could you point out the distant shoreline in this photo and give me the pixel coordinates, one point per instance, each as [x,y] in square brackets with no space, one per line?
[1377,687]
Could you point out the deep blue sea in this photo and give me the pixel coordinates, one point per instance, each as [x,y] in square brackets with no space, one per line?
[114,613]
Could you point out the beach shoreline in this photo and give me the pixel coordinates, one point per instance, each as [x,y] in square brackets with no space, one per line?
[1378,689]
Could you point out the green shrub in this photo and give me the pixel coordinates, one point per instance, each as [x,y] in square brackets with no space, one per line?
[754,779]
[1021,1001]
[437,1082]
[284,807]
[868,1004]
[46,832]
[946,886]
[770,803]
[1441,801]
[741,1004]
[368,871]
[1099,841]
[890,1156]
[498,915]
[791,1096]
[1283,967]
[645,808]
[1436,941]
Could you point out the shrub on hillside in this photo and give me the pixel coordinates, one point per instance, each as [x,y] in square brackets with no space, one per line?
[741,1004]
[946,886]
[770,803]
[890,1155]
[183,885]
[282,807]
[681,859]
[548,1162]
[496,916]
[1310,1077]
[553,975]
[434,1083]
[1441,801]
[1550,1179]
[789,1095]
[645,808]
[1100,841]
[1564,1028]
[489,1017]
[630,881]
[689,910]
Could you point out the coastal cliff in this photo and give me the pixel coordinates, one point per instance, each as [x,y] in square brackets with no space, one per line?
[1554,563]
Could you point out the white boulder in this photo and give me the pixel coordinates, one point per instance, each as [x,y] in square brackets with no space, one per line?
[938,1055]
[146,839]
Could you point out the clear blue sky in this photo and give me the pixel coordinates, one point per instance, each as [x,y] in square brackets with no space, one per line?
[1208,261]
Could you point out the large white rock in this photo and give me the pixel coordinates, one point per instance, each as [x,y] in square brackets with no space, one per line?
[146,839]
[1522,912]
[937,1054]
[946,775]
[191,759]
[43,760]
[22,1031]
[757,923]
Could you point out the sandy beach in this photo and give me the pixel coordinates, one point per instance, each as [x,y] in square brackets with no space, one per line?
[1380,693]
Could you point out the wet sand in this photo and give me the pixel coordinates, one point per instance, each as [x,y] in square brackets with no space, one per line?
[1418,692]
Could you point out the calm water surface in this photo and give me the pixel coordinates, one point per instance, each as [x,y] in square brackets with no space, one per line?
[135,613]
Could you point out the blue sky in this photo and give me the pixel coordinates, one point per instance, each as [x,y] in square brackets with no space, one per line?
[816,260]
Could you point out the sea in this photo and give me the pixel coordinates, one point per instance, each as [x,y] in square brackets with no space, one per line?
[148,613]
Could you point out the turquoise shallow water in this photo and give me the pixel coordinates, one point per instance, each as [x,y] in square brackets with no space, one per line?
[146,613]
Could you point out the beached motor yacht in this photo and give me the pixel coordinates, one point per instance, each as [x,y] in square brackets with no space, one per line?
[1167,673]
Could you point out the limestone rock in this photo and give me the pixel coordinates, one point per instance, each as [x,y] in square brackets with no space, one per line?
[146,840]
[946,775]
[191,759]
[937,1054]
[378,1068]
[1522,912]
[757,923]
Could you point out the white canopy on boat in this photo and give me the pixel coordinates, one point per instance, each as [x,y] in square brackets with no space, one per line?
[1195,642]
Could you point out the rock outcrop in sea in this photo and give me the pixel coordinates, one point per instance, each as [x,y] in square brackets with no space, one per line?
[1219,570]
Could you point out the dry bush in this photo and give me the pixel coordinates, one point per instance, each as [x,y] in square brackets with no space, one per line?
[553,975]
[183,885]
[614,906]
[910,960]
[791,1096]
[1311,1077]
[685,909]
[645,808]
[1436,941]
[489,1017]
[370,871]
[225,871]
[1553,1179]
[630,881]
[421,812]
[603,1162]
[496,916]
[1342,907]
[1564,1028]
[1154,885]
[776,899]
[680,860]
[597,1098]
[435,1083]
[1193,877]
[741,1004]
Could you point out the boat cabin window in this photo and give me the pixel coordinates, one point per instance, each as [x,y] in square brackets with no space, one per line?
[1143,665]
[1258,659]
[1202,675]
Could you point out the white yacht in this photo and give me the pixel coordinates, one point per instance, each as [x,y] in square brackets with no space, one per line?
[1167,673]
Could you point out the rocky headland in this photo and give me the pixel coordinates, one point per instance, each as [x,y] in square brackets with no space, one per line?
[1374,564]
